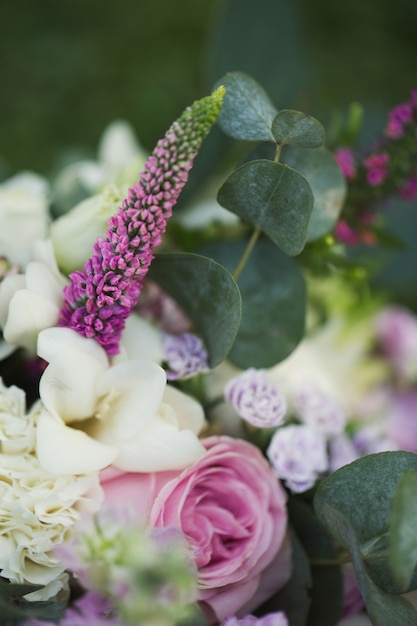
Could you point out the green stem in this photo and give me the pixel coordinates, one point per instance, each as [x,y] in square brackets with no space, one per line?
[247,252]
[278,152]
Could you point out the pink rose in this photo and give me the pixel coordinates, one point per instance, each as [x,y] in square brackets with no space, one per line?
[232,511]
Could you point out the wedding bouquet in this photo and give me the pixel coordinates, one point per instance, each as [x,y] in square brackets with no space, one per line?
[207,415]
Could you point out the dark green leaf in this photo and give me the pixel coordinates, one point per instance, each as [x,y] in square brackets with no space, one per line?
[207,293]
[247,111]
[297,129]
[363,491]
[272,197]
[327,183]
[273,303]
[383,609]
[403,529]
[294,598]
[327,588]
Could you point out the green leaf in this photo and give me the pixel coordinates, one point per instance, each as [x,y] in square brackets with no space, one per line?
[297,129]
[383,609]
[327,588]
[362,491]
[327,183]
[247,111]
[207,293]
[294,597]
[272,197]
[403,530]
[273,303]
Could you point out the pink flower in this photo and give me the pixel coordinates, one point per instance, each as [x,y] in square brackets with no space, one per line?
[376,164]
[232,511]
[346,162]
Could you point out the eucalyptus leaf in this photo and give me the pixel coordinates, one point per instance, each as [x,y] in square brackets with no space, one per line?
[247,111]
[327,588]
[327,183]
[207,293]
[403,530]
[362,491]
[297,129]
[294,597]
[383,609]
[273,303]
[273,197]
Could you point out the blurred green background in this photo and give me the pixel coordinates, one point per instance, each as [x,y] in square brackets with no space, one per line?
[70,67]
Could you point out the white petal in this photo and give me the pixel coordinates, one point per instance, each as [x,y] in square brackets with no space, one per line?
[55,341]
[67,386]
[29,313]
[141,340]
[134,390]
[65,450]
[160,446]
[188,411]
[41,279]
[8,287]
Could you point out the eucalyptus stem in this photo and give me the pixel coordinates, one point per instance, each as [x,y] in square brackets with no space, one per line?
[247,252]
[278,153]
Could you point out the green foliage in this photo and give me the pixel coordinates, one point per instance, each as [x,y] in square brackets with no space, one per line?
[327,184]
[403,530]
[272,197]
[354,503]
[207,292]
[297,129]
[15,610]
[273,303]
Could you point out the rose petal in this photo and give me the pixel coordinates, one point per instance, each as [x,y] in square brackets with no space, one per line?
[65,450]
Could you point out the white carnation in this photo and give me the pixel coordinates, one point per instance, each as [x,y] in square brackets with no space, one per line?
[17,430]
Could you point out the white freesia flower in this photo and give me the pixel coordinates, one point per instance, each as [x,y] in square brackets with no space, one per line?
[95,414]
[31,301]
[17,429]
[23,215]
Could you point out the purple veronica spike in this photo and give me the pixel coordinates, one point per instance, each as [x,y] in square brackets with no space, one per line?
[100,298]
[185,356]
[256,399]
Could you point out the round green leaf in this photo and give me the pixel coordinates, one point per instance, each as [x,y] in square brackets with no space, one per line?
[327,183]
[272,197]
[403,529]
[247,111]
[383,608]
[273,303]
[207,293]
[363,491]
[297,129]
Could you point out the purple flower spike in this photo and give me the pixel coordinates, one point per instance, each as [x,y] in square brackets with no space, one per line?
[100,298]
[256,399]
[185,356]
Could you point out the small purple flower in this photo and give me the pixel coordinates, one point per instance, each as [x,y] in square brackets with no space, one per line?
[298,456]
[341,452]
[100,298]
[92,609]
[376,164]
[256,399]
[346,162]
[319,410]
[272,619]
[185,356]
[408,191]
[345,233]
[400,115]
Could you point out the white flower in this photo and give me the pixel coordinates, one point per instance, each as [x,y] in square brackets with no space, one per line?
[37,513]
[31,301]
[23,215]
[95,414]
[17,429]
